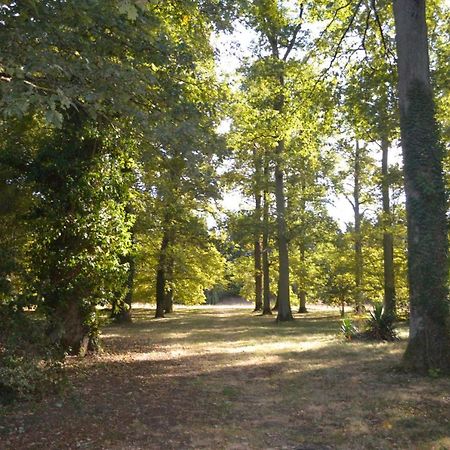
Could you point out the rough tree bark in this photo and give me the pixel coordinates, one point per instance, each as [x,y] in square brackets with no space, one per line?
[69,328]
[429,339]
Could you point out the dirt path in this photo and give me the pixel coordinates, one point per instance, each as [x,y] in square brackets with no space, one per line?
[219,378]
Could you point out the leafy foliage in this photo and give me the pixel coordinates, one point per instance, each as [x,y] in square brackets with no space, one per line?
[348,330]
[29,365]
[380,326]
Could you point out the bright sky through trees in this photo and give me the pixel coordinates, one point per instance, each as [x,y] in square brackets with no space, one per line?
[232,50]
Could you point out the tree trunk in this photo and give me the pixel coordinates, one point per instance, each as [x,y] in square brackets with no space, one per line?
[283,300]
[121,310]
[284,305]
[70,329]
[389,309]
[343,309]
[257,243]
[168,298]
[429,339]
[258,277]
[161,277]
[302,293]
[168,305]
[275,306]
[359,307]
[302,297]
[265,242]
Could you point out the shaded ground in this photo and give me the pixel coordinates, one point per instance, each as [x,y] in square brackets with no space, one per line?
[219,378]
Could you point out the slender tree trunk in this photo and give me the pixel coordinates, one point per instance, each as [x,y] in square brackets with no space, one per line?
[284,305]
[168,298]
[168,305]
[359,307]
[429,339]
[389,309]
[265,242]
[302,297]
[258,277]
[343,308]
[302,293]
[126,315]
[257,243]
[161,277]
[283,300]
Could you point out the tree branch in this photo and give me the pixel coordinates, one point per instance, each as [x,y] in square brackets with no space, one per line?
[387,50]
[294,35]
[344,34]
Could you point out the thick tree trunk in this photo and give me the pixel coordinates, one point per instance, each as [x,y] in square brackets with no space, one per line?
[265,243]
[359,307]
[161,277]
[70,329]
[389,309]
[429,339]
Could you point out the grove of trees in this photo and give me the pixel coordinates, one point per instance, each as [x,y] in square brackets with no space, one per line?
[113,165]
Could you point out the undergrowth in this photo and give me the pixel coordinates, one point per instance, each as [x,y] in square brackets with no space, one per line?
[29,365]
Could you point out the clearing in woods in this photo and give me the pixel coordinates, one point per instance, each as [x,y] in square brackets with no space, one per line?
[220,378]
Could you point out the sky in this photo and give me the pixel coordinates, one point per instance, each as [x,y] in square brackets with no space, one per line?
[231,50]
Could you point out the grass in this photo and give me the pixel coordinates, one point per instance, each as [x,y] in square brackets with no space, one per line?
[223,378]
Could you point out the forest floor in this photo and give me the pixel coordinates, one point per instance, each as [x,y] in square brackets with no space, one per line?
[222,378]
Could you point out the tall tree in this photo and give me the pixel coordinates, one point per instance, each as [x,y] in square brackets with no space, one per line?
[429,341]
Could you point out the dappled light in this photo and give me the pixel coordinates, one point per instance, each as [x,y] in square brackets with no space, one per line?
[223,377]
[224,225]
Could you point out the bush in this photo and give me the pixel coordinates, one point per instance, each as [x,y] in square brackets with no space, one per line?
[348,330]
[29,365]
[380,326]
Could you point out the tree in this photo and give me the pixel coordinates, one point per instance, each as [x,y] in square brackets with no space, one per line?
[429,341]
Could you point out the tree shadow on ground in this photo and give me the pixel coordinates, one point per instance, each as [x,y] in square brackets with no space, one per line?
[206,381]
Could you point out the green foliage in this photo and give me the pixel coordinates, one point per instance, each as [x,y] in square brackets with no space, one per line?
[82,228]
[380,326]
[29,365]
[348,330]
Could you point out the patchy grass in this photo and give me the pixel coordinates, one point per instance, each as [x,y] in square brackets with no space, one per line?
[222,378]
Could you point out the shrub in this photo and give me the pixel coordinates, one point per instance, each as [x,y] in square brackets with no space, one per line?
[29,365]
[348,330]
[380,326]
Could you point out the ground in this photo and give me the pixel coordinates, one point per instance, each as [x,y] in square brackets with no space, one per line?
[220,377]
